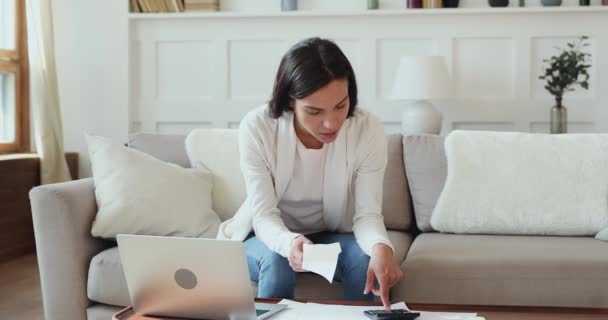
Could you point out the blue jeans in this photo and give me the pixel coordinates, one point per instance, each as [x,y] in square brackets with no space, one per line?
[276,279]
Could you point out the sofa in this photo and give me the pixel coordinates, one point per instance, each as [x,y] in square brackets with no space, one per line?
[81,276]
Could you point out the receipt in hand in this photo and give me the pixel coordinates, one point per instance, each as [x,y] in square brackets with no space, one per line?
[321,259]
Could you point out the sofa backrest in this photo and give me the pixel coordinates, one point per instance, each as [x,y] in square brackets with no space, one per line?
[397,202]
[396,206]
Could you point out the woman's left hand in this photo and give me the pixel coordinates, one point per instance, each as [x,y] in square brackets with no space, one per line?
[384,269]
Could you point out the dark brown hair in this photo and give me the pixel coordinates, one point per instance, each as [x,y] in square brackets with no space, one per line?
[307,67]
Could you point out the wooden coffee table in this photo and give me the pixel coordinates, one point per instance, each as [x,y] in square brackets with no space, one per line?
[488,312]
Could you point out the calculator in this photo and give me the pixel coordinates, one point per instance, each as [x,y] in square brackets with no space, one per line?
[395,314]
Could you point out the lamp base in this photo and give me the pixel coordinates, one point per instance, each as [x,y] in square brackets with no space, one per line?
[421,117]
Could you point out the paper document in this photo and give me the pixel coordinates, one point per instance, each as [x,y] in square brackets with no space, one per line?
[321,259]
[316,311]
[308,311]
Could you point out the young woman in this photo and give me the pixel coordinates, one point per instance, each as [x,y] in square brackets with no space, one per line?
[314,165]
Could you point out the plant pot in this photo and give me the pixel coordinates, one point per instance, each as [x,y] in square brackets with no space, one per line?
[551,3]
[498,3]
[559,119]
[450,3]
[289,5]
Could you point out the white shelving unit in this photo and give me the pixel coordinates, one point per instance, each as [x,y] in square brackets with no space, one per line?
[392,12]
[207,69]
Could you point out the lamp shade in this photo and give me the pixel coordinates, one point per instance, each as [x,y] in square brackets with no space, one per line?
[421,78]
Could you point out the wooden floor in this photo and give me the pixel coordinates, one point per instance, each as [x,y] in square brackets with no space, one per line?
[20,296]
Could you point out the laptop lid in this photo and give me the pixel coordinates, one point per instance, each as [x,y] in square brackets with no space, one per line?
[187,277]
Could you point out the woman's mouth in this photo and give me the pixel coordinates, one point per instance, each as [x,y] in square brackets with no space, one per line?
[329,135]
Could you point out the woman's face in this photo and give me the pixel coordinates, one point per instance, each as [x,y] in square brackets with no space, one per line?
[320,115]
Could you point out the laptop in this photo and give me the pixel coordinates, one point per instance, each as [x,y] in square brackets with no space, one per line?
[190,278]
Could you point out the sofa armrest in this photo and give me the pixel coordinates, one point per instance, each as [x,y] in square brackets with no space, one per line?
[63,214]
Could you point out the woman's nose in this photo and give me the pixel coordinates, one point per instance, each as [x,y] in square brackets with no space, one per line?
[330,123]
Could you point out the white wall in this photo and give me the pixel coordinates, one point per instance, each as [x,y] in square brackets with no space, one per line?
[92,48]
[91,44]
[208,70]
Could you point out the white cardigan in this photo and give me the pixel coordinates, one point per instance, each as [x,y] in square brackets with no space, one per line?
[352,187]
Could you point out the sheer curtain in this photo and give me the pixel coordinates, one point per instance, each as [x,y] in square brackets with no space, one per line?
[44,92]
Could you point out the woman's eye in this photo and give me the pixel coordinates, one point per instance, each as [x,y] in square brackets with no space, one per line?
[341,107]
[314,113]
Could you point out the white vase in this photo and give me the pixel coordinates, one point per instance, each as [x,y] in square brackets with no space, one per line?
[421,117]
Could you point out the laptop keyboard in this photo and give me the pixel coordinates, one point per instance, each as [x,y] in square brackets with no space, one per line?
[259,312]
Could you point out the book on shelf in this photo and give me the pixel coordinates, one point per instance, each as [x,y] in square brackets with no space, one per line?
[201,5]
[140,6]
[430,4]
[163,6]
[150,5]
[145,7]
[134,6]
[154,6]
[179,4]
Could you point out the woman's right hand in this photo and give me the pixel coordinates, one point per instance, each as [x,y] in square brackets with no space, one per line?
[296,253]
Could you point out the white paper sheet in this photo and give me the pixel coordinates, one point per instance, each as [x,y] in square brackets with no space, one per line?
[321,259]
[344,312]
[316,311]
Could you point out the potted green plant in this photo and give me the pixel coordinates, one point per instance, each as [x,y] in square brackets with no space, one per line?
[562,73]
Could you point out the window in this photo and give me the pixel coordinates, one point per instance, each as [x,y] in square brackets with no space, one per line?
[14,81]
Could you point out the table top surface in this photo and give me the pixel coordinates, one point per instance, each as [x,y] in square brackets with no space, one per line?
[488,312]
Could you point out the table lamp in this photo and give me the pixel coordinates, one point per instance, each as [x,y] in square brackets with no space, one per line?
[421,78]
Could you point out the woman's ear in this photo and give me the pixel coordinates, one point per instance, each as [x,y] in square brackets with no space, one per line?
[291,104]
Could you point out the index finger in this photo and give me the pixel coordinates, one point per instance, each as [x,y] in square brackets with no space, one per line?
[384,295]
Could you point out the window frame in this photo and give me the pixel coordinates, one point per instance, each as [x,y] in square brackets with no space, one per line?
[16,62]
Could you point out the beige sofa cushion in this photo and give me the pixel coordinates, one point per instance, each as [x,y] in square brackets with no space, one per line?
[101,312]
[505,270]
[426,171]
[107,283]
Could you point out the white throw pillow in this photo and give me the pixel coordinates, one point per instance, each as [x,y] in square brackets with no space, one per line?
[217,150]
[522,183]
[139,194]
